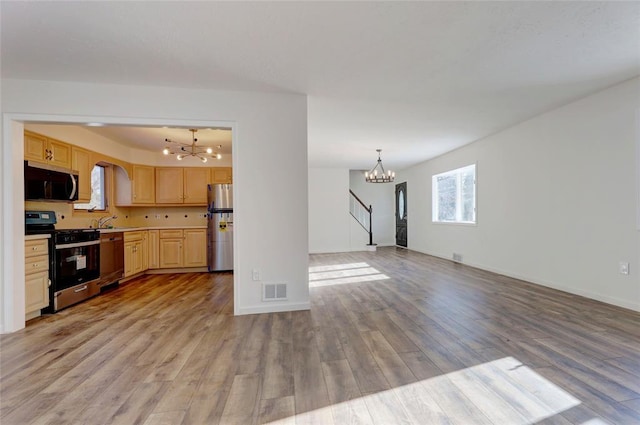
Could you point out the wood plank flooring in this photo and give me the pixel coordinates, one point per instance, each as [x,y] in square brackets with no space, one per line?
[393,337]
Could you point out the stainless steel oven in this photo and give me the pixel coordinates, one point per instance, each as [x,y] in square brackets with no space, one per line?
[76,260]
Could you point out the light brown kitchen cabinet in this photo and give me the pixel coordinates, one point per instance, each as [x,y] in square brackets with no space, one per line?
[60,153]
[183,248]
[129,261]
[47,150]
[36,265]
[169,185]
[81,162]
[176,185]
[195,247]
[170,252]
[195,185]
[143,181]
[154,253]
[134,253]
[221,175]
[35,147]
[145,250]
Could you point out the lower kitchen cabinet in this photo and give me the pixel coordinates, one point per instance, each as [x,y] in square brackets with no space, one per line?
[182,248]
[36,291]
[135,253]
[36,266]
[154,249]
[145,250]
[195,247]
[170,252]
[164,249]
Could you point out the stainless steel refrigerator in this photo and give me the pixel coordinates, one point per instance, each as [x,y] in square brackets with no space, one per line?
[220,227]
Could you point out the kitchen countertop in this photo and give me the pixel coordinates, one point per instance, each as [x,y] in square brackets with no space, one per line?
[133,229]
[36,237]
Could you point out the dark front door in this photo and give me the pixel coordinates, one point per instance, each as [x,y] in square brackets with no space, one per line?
[401,214]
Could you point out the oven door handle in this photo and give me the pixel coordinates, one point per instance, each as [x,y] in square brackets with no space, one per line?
[77,244]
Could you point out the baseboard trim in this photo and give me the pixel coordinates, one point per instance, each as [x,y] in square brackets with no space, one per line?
[582,293]
[32,315]
[273,308]
[178,270]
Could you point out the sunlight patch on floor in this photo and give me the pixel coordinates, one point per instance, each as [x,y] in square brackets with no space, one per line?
[340,274]
[501,391]
[335,267]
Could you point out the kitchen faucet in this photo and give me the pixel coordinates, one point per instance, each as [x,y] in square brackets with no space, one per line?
[102,221]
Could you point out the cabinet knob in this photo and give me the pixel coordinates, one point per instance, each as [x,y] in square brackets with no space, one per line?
[35,248]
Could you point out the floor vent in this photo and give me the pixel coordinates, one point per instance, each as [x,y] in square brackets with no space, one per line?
[274,291]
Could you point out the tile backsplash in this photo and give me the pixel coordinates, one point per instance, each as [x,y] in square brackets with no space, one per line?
[168,216]
[127,216]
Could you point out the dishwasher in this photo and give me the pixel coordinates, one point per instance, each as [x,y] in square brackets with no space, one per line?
[111,258]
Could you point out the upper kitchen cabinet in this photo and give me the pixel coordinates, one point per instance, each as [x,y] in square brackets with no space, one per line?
[45,149]
[195,185]
[143,185]
[81,162]
[35,147]
[138,188]
[181,185]
[169,185]
[221,175]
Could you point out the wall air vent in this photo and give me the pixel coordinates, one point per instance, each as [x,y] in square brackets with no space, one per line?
[274,291]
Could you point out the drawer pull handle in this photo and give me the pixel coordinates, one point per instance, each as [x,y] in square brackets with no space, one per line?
[35,264]
[80,289]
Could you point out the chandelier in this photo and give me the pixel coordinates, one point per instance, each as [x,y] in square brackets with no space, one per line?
[373,177]
[185,149]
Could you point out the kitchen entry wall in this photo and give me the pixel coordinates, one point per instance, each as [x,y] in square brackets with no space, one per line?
[269,154]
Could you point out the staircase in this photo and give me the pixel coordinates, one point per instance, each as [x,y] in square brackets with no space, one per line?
[362,214]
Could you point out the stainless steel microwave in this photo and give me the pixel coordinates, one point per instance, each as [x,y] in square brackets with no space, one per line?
[43,182]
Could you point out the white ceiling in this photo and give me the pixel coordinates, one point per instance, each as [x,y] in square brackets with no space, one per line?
[416,79]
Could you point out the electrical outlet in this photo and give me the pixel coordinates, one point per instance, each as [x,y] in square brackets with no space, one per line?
[457,257]
[623,267]
[255,274]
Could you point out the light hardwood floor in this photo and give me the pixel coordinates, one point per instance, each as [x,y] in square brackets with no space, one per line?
[393,337]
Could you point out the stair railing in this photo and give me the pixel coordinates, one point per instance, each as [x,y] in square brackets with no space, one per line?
[361,213]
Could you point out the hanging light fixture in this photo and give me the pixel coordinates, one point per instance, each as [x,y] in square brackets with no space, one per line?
[184,149]
[383,177]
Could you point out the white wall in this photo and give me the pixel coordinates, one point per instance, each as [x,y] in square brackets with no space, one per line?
[556,199]
[329,210]
[381,196]
[269,160]
[331,227]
